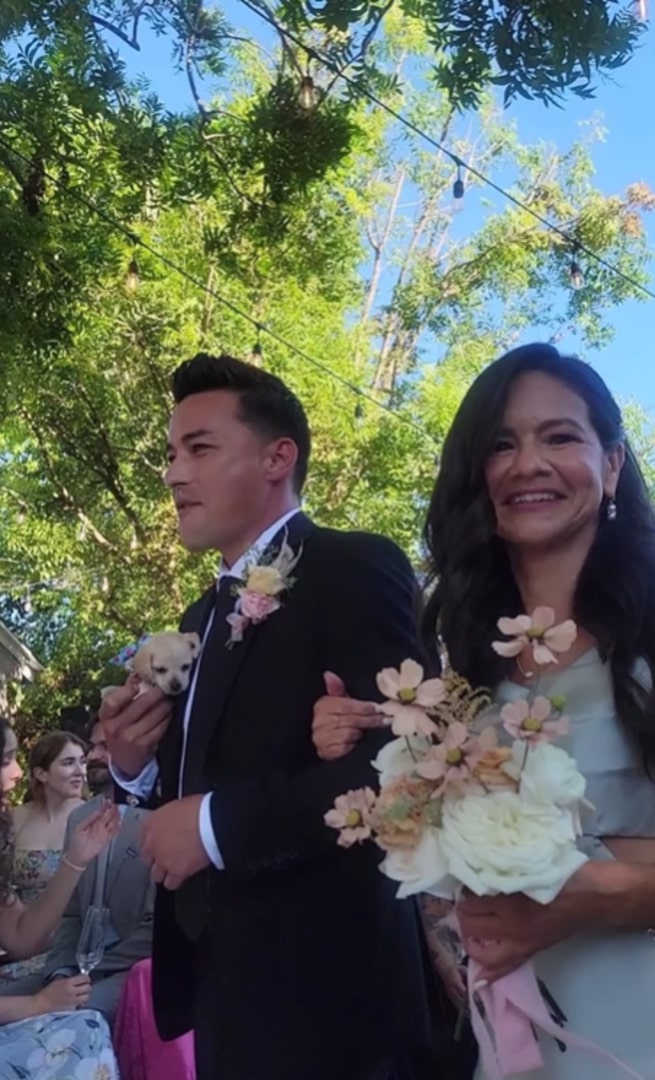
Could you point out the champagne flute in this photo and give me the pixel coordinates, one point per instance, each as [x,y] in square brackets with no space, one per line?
[91,946]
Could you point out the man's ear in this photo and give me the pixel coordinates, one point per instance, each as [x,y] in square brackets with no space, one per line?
[281,458]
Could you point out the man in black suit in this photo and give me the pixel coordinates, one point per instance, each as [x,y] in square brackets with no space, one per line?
[290,958]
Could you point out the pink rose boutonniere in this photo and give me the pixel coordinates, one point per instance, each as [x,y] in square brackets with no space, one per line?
[258,594]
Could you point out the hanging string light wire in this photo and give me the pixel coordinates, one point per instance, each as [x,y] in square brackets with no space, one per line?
[363,91]
[260,328]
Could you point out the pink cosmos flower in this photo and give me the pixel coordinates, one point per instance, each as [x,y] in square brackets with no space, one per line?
[410,697]
[256,606]
[351,814]
[530,723]
[539,632]
[455,758]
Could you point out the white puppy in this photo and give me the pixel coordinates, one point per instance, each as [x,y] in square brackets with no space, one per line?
[165,660]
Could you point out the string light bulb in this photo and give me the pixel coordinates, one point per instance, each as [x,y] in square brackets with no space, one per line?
[256,353]
[307,94]
[359,413]
[132,280]
[458,187]
[576,277]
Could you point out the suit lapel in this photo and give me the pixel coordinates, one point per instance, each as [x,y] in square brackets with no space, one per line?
[125,845]
[232,659]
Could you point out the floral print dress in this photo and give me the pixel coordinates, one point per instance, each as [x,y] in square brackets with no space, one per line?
[33,869]
[58,1046]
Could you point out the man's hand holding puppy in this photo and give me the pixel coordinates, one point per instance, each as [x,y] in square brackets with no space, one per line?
[134,725]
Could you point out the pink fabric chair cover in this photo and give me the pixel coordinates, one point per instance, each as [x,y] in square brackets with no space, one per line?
[141,1053]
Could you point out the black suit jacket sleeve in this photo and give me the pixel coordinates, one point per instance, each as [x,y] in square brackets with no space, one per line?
[368,610]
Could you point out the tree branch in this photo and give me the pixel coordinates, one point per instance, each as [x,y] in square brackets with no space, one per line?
[379,247]
[65,495]
[131,42]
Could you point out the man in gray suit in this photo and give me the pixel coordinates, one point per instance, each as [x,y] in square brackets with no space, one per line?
[118,880]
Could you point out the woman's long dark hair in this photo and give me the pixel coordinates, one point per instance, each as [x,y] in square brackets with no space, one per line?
[6,830]
[469,565]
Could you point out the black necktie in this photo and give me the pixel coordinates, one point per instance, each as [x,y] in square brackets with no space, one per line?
[201,718]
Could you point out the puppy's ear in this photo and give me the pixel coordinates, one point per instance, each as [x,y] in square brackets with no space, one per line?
[194,642]
[142,661]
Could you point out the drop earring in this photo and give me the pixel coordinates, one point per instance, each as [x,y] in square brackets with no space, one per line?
[611,510]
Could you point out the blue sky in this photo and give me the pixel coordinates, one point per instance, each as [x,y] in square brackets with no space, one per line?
[627,155]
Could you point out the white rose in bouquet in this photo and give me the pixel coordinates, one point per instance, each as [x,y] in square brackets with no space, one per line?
[420,869]
[549,776]
[500,843]
[398,757]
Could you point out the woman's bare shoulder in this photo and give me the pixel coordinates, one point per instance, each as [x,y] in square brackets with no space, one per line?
[20,816]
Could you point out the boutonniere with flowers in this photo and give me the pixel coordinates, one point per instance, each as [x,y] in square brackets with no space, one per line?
[259,592]
[461,805]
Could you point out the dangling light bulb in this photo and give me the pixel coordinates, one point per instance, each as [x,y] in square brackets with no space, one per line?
[576,276]
[359,413]
[307,94]
[256,354]
[458,189]
[132,280]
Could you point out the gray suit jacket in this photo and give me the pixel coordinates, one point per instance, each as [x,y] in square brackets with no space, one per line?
[119,880]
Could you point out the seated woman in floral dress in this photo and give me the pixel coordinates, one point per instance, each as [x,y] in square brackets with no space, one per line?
[57,774]
[49,1035]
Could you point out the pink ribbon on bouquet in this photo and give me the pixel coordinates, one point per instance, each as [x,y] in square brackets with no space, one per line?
[513,1007]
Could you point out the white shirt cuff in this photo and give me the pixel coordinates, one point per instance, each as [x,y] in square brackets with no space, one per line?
[207,836]
[142,785]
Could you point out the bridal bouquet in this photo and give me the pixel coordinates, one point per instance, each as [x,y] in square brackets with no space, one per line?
[458,807]
[455,808]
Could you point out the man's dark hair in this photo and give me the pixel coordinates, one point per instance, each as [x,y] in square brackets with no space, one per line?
[266,405]
[94,718]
